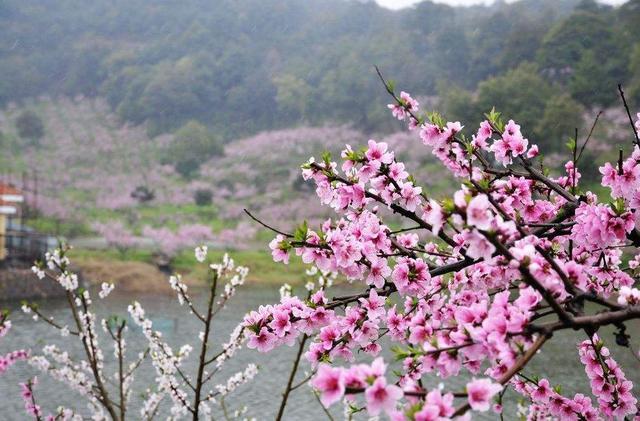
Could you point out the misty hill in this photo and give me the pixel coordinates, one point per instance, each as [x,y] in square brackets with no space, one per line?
[91,168]
[244,66]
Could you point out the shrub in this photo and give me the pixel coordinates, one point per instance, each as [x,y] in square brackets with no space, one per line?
[203,197]
[30,126]
[193,145]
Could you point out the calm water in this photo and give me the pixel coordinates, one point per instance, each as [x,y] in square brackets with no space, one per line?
[557,361]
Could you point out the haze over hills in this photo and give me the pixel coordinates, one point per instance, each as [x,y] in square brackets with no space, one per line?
[244,66]
[185,97]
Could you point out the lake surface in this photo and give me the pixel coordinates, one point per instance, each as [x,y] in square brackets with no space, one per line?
[558,360]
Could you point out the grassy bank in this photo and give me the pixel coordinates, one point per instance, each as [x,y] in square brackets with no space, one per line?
[121,267]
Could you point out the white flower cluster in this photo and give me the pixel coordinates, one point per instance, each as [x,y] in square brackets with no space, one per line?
[63,369]
[181,288]
[38,271]
[56,259]
[237,380]
[628,296]
[201,253]
[105,290]
[227,265]
[150,405]
[66,414]
[237,276]
[285,291]
[86,377]
[325,278]
[119,347]
[5,325]
[68,280]
[164,360]
[89,334]
[236,340]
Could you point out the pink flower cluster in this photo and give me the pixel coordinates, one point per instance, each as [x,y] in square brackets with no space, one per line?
[334,382]
[512,144]
[474,276]
[546,402]
[12,357]
[598,226]
[625,180]
[26,390]
[608,382]
[171,242]
[406,106]
[274,325]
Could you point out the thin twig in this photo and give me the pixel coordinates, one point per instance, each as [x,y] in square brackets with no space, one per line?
[584,145]
[626,107]
[294,369]
[324,408]
[267,226]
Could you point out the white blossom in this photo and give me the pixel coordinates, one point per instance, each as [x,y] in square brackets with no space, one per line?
[201,253]
[38,271]
[105,290]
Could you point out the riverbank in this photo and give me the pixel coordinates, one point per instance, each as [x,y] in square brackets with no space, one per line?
[20,283]
[134,270]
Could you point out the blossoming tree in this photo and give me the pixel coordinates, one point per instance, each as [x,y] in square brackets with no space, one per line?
[476,283]
[175,393]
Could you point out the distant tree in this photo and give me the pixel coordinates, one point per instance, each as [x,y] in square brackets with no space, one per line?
[521,45]
[143,194]
[193,145]
[458,103]
[633,86]
[586,31]
[203,197]
[30,126]
[294,94]
[629,16]
[521,92]
[594,81]
[562,115]
[564,44]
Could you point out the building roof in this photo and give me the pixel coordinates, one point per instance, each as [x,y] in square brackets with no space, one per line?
[8,189]
[9,197]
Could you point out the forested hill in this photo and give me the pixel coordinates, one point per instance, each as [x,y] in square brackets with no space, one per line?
[240,66]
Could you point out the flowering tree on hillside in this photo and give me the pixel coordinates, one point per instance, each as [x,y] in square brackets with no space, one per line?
[116,235]
[170,242]
[475,283]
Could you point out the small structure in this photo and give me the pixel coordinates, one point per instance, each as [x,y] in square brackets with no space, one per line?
[19,244]
[11,200]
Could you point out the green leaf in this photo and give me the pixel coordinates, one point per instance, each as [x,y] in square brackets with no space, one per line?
[436,119]
[326,157]
[300,233]
[495,119]
[391,85]
[448,205]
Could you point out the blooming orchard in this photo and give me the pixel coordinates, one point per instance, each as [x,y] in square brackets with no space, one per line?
[475,284]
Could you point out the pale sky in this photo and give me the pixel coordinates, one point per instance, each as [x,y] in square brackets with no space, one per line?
[399,4]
